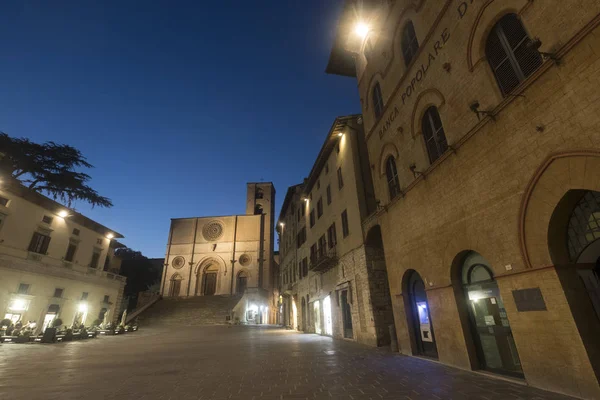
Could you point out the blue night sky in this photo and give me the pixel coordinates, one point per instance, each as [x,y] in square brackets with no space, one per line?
[146,89]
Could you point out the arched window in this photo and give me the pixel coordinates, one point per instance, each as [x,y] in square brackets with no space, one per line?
[392,177]
[410,44]
[509,54]
[433,133]
[377,101]
[584,224]
[259,193]
[258,209]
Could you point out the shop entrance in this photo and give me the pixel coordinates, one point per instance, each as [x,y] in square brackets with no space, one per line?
[346,315]
[420,318]
[317,314]
[327,316]
[496,349]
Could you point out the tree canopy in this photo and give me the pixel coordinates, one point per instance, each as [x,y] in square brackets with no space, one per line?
[49,167]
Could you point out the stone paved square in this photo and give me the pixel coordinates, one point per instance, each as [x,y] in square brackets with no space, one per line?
[239,362]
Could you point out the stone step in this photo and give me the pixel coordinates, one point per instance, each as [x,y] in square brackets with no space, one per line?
[192,311]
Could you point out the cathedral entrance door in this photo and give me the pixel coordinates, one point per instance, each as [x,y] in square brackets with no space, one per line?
[210,283]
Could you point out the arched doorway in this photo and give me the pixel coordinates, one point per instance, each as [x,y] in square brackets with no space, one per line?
[419,316]
[577,219]
[175,285]
[303,328]
[242,282]
[491,332]
[208,280]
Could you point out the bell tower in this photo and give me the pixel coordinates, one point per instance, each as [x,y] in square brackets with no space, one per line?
[260,200]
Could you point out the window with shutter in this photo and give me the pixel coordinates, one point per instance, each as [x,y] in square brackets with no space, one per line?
[410,44]
[377,101]
[433,134]
[392,177]
[39,243]
[509,55]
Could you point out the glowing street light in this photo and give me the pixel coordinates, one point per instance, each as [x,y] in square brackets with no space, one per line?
[110,236]
[361,29]
[63,213]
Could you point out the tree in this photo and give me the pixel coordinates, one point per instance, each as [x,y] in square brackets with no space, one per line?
[141,273]
[49,167]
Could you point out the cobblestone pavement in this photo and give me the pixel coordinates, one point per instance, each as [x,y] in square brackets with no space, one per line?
[234,363]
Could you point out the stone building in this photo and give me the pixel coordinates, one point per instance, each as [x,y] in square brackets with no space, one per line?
[482,123]
[226,255]
[333,280]
[55,262]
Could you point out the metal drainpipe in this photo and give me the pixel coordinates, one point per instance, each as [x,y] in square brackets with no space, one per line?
[166,263]
[192,259]
[233,253]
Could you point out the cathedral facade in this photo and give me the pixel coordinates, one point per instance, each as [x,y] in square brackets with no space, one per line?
[226,255]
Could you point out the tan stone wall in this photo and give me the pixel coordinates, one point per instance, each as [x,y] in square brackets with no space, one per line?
[473,198]
[219,252]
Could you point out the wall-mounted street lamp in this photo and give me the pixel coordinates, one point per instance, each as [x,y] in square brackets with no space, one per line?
[361,29]
[413,169]
[536,43]
[109,236]
[474,106]
[63,214]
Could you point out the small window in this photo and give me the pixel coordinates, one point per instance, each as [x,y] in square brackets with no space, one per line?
[326,168]
[76,232]
[340,178]
[433,134]
[23,288]
[410,44]
[3,201]
[259,194]
[99,241]
[312,217]
[95,259]
[318,184]
[84,295]
[305,266]
[47,219]
[39,243]
[328,194]
[508,52]
[345,228]
[320,207]
[377,102]
[299,213]
[71,249]
[331,235]
[106,299]
[58,292]
[303,209]
[392,177]
[300,275]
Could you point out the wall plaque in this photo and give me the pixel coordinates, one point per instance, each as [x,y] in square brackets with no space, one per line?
[529,300]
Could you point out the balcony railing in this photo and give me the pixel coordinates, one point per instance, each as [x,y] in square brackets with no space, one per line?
[323,260]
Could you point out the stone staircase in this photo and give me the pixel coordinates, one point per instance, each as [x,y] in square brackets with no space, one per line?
[192,311]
